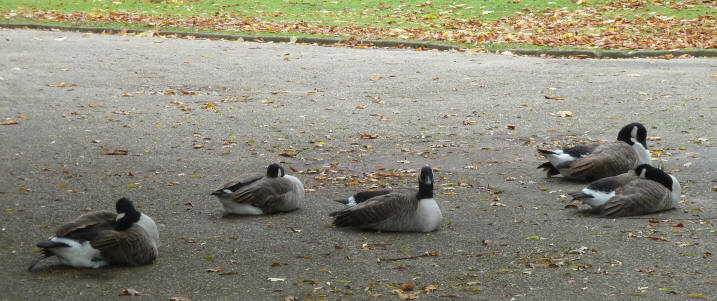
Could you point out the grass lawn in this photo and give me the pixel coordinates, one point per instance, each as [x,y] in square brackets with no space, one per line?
[627,24]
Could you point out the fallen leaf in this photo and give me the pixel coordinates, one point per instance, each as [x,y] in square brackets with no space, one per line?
[376,77]
[565,114]
[555,97]
[368,136]
[406,287]
[130,292]
[214,270]
[60,85]
[696,295]
[117,152]
[402,296]
[9,122]
[430,288]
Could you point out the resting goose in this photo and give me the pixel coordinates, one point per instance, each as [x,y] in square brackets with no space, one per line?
[404,209]
[256,193]
[101,238]
[598,160]
[645,190]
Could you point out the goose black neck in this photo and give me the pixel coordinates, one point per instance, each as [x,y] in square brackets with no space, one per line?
[425,191]
[659,176]
[129,213]
[425,183]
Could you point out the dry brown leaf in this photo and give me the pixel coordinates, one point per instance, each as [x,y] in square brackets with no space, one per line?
[406,287]
[555,97]
[117,152]
[9,122]
[430,288]
[368,136]
[402,296]
[214,270]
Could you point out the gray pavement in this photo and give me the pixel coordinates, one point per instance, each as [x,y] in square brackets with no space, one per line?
[508,233]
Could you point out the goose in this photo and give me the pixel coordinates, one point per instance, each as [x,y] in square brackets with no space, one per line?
[594,161]
[97,239]
[403,209]
[257,194]
[645,190]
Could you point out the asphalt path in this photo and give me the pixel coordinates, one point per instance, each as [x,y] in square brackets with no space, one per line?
[194,113]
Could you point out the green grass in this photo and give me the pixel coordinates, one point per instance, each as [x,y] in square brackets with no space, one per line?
[406,13]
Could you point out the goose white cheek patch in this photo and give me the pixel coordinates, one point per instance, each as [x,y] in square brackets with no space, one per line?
[351,201]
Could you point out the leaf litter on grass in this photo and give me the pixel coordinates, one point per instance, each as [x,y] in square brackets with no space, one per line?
[622,24]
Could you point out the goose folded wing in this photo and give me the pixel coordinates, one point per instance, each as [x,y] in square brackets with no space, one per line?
[261,194]
[85,222]
[129,247]
[373,211]
[606,161]
[640,196]
[581,150]
[241,181]
[369,194]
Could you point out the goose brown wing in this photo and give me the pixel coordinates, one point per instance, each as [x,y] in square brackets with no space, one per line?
[376,209]
[129,247]
[240,181]
[607,160]
[263,193]
[85,222]
[640,196]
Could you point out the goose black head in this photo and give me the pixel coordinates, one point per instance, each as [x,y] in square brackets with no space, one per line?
[274,170]
[649,172]
[633,132]
[127,214]
[425,183]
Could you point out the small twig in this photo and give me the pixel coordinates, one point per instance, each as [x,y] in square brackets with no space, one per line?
[404,258]
[482,253]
